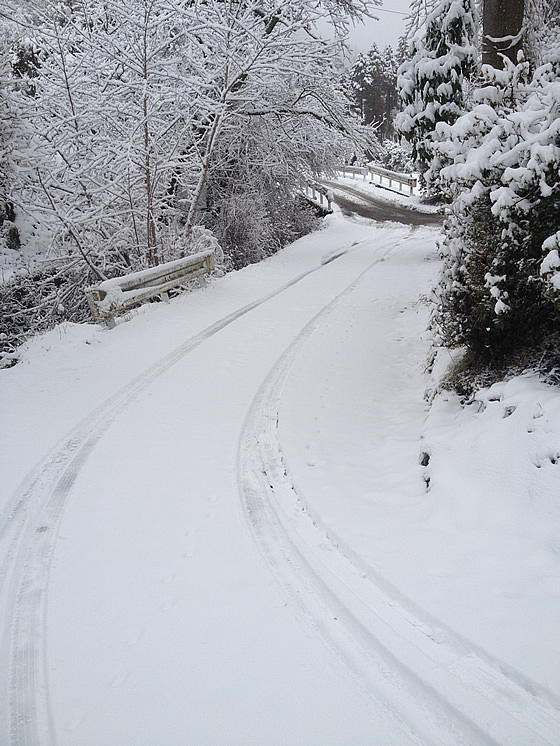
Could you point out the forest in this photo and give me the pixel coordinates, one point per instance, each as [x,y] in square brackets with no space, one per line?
[137,132]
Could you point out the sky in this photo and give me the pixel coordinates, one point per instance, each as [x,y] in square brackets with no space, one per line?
[386,30]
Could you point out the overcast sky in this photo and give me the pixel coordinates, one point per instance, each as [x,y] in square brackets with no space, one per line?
[384,31]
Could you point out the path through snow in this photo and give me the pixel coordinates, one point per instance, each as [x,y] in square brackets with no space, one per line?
[276,415]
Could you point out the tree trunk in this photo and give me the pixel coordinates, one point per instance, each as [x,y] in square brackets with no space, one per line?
[502,31]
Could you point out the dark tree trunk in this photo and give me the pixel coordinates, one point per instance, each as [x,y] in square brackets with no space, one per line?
[502,31]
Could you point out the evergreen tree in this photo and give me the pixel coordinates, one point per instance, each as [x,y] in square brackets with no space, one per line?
[500,291]
[373,83]
[542,31]
[443,56]
[391,94]
[497,159]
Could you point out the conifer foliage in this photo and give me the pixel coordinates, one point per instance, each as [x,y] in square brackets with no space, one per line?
[495,156]
[500,290]
[373,80]
[432,83]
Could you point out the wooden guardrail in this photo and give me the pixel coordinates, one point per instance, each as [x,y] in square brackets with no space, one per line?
[382,174]
[119,293]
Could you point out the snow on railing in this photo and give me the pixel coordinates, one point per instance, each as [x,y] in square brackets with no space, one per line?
[119,293]
[382,174]
[319,194]
[354,170]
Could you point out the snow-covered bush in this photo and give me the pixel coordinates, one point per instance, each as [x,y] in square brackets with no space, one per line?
[395,157]
[501,277]
[251,226]
[432,84]
[38,301]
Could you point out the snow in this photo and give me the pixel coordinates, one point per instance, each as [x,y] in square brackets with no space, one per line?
[153,274]
[399,583]
[387,194]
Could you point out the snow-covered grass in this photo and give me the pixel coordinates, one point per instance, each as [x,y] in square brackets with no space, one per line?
[153,618]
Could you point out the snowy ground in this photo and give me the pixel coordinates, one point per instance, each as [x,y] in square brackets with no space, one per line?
[217,528]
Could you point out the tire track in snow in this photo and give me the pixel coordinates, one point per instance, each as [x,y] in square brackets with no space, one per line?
[436,684]
[28,533]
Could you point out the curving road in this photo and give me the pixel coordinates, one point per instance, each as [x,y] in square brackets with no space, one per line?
[380,210]
[71,650]
[165,581]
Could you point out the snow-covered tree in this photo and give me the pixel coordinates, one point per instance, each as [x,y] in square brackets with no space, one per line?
[496,157]
[373,80]
[10,241]
[542,31]
[443,56]
[418,12]
[136,110]
[132,99]
[502,273]
[249,201]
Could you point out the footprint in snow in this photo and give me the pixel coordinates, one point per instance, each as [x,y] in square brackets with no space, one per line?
[119,679]
[169,603]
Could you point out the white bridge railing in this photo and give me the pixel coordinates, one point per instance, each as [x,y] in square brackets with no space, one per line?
[119,293]
[318,194]
[383,176]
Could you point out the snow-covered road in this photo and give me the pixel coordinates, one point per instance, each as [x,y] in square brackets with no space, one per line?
[368,200]
[188,563]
